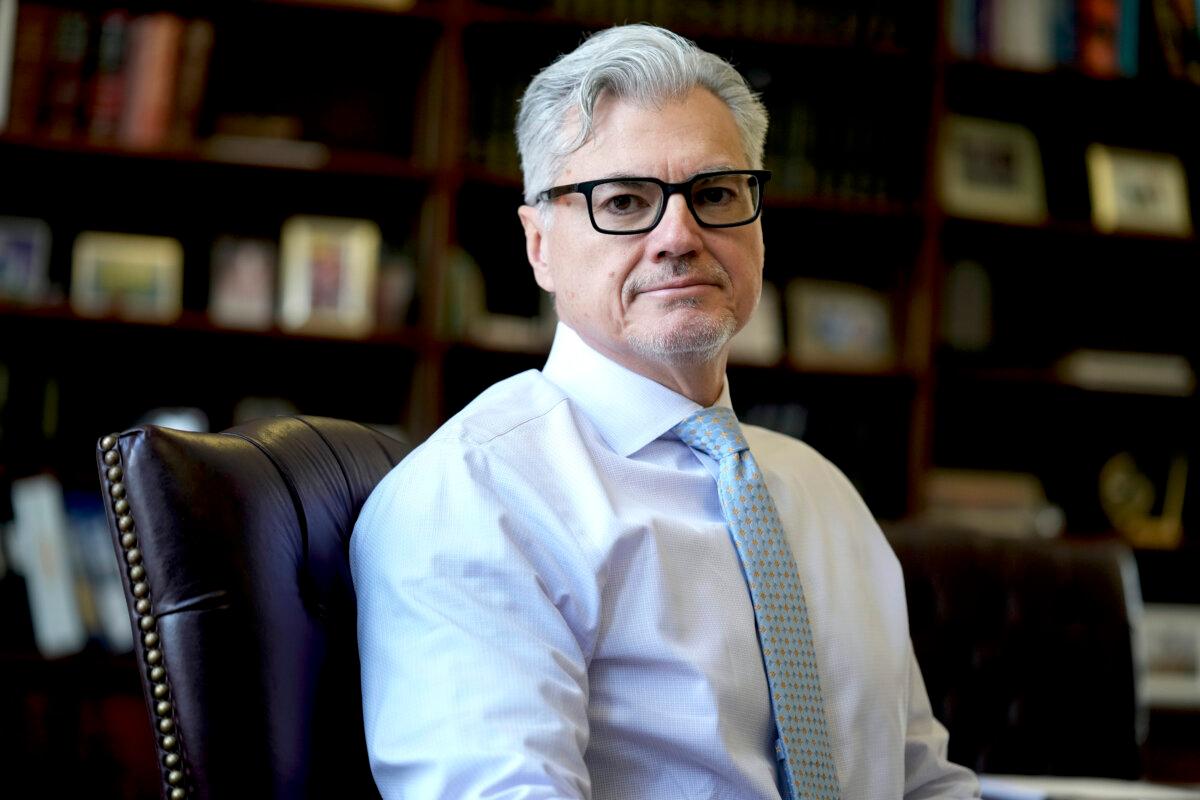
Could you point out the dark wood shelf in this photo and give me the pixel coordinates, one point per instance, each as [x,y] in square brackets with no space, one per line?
[1070,228]
[198,322]
[292,156]
[483,13]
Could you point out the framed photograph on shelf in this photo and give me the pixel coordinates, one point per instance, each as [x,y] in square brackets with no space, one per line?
[242,293]
[129,276]
[24,260]
[839,326]
[1172,639]
[329,269]
[990,170]
[1138,192]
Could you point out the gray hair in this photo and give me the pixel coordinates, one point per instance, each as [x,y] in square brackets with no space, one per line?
[639,63]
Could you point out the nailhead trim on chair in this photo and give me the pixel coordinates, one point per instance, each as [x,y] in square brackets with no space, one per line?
[149,645]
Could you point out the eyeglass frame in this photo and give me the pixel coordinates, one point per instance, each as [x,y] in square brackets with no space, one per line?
[684,188]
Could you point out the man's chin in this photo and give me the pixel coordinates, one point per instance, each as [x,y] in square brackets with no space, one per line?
[698,339]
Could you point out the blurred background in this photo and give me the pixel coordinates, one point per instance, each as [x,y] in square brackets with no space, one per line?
[978,228]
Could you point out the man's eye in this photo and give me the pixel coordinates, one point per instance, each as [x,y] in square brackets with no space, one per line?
[714,195]
[622,203]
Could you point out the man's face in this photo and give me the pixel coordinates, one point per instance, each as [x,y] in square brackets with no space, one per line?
[674,295]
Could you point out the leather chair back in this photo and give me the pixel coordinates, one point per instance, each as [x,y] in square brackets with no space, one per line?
[1027,649]
[234,553]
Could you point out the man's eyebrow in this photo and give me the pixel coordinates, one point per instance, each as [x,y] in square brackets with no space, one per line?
[625,175]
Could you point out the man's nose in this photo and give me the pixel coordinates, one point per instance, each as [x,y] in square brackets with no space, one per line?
[677,233]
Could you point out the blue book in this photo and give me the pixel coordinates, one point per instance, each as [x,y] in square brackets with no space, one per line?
[1127,37]
[1065,45]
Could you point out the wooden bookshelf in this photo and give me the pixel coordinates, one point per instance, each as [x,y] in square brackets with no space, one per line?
[403,115]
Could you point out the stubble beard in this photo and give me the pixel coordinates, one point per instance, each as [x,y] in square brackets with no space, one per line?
[693,339]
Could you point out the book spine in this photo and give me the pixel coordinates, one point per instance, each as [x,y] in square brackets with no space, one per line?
[64,90]
[1097,32]
[1127,37]
[194,58]
[8,39]
[31,50]
[153,66]
[108,83]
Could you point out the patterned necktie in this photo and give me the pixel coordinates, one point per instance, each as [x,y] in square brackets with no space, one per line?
[783,630]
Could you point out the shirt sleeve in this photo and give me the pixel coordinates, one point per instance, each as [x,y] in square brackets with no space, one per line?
[472,633]
[927,772]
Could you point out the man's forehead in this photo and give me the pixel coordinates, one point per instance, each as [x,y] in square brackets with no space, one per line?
[623,157]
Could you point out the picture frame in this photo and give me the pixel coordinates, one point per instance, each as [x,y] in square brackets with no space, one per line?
[760,342]
[329,268]
[839,326]
[1171,637]
[990,170]
[242,283]
[24,260]
[130,276]
[1136,191]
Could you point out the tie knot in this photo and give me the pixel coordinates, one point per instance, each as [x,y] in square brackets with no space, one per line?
[713,431]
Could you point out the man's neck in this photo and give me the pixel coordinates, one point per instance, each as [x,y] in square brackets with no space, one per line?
[701,382]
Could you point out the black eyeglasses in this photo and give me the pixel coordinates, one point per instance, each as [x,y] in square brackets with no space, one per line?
[723,199]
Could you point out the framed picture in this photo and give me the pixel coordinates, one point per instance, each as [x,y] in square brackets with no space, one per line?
[760,343]
[24,260]
[242,293]
[990,170]
[129,276]
[1138,192]
[839,326]
[1171,634]
[329,269]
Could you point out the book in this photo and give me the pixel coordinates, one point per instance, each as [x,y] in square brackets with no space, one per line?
[64,75]
[150,88]
[107,97]
[40,552]
[195,52]
[8,40]
[31,50]
[1023,34]
[1096,37]
[1178,38]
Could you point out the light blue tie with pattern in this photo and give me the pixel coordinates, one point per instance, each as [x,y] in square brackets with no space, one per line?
[783,631]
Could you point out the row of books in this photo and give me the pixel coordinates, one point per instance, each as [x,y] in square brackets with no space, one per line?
[814,148]
[1102,38]
[58,542]
[326,276]
[835,150]
[135,80]
[870,22]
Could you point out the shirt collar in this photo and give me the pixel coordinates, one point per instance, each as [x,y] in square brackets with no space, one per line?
[629,410]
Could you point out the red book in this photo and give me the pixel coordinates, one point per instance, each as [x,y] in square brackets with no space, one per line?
[150,80]
[31,52]
[1098,21]
[108,83]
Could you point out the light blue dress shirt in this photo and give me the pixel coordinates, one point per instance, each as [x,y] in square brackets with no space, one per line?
[550,606]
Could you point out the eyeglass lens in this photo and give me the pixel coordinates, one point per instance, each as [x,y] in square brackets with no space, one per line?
[625,205]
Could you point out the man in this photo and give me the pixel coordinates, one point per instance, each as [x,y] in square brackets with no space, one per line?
[563,592]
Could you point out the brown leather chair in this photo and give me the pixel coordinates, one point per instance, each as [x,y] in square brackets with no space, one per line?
[1027,649]
[234,547]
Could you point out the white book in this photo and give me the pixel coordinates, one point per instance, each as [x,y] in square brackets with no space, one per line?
[1023,34]
[8,39]
[40,551]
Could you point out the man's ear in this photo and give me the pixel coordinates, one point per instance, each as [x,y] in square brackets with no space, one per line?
[535,246]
